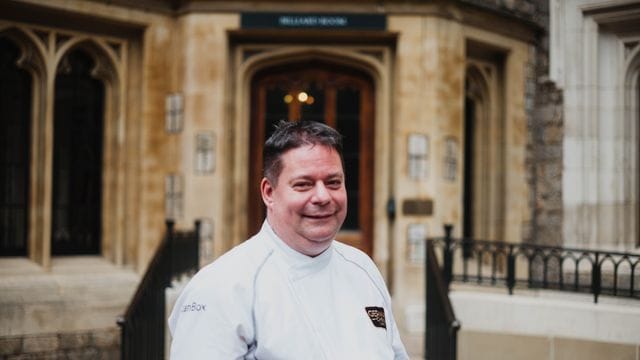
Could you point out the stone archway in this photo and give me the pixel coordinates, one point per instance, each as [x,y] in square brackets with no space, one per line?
[339,96]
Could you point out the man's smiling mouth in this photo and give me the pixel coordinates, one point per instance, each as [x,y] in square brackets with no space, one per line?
[318,216]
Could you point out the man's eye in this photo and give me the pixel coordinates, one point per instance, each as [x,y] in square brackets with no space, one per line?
[334,184]
[302,186]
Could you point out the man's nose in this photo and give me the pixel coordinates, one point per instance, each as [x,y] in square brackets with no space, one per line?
[321,193]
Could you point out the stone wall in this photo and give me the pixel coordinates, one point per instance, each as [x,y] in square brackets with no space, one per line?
[544,106]
[545,165]
[95,345]
[546,134]
[523,9]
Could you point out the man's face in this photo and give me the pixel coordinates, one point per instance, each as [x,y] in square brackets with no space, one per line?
[307,206]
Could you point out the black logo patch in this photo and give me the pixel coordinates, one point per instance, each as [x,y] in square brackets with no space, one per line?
[376,314]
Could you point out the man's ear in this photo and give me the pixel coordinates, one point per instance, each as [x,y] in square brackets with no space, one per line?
[266,190]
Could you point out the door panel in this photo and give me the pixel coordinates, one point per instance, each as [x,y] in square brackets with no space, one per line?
[339,97]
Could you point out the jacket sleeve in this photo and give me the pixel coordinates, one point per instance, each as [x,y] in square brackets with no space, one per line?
[400,353]
[212,319]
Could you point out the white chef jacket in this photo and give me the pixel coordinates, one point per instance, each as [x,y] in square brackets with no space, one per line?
[264,300]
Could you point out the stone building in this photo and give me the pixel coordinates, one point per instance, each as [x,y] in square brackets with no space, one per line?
[118,114]
[600,142]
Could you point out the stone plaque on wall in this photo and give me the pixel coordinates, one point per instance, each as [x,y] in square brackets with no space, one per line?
[173,196]
[419,207]
[418,156]
[206,241]
[205,153]
[451,155]
[173,113]
[416,235]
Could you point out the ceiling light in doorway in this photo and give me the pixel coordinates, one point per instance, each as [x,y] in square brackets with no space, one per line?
[310,100]
[288,98]
[302,96]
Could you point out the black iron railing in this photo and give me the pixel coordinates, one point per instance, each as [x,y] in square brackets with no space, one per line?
[533,266]
[143,324]
[440,342]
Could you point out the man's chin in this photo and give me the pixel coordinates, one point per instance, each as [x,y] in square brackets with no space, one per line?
[320,238]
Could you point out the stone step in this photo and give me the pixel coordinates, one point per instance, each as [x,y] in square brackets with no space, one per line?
[78,293]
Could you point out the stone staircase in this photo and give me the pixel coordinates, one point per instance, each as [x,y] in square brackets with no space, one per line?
[70,309]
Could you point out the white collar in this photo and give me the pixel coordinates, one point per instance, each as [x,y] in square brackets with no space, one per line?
[299,264]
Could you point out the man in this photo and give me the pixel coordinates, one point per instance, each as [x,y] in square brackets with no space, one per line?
[291,291]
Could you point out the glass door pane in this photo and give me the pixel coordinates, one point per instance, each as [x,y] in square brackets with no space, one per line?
[348,124]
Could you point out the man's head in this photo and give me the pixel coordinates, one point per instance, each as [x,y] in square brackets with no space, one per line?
[294,134]
[303,186]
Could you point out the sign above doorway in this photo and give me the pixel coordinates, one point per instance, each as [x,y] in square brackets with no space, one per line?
[325,21]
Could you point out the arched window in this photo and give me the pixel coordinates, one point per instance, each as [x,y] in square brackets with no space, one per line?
[62,151]
[15,125]
[632,146]
[77,157]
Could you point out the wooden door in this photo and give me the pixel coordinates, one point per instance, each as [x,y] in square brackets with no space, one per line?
[339,97]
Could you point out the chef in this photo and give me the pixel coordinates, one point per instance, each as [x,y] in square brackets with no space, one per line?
[291,291]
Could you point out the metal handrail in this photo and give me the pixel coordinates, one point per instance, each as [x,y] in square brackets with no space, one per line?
[495,263]
[143,324]
[440,342]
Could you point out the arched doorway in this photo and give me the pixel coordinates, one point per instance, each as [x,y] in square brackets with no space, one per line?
[338,96]
[77,157]
[483,193]
[469,193]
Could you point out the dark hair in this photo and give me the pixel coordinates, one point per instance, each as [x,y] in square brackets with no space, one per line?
[294,134]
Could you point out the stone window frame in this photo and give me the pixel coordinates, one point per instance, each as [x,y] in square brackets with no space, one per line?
[248,57]
[42,49]
[632,133]
[619,21]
